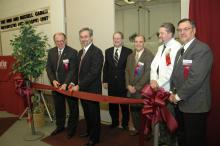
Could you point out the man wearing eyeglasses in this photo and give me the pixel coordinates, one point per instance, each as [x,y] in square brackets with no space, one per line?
[61,70]
[190,84]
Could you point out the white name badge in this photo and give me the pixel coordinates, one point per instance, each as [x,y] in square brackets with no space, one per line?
[187,62]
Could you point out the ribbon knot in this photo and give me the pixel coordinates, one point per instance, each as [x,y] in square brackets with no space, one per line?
[155,109]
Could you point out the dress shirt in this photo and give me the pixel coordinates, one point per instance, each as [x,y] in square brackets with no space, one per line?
[60,49]
[139,54]
[87,48]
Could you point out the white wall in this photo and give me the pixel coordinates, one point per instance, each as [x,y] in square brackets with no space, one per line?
[96,14]
[185,8]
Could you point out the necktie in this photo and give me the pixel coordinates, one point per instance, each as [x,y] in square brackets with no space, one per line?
[59,56]
[83,54]
[58,62]
[181,53]
[164,46]
[116,57]
[59,53]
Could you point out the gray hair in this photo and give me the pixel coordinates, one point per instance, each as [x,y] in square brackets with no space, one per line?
[87,29]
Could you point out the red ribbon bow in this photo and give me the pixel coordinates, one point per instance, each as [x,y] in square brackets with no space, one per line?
[155,109]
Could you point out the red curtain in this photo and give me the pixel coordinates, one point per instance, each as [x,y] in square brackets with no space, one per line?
[206,14]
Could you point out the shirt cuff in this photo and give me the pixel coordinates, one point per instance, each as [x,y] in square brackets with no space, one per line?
[177,97]
[72,84]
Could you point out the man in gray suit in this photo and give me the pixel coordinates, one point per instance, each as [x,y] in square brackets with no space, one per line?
[137,74]
[190,84]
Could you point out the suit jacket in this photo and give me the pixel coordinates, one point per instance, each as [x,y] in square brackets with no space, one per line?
[111,73]
[64,76]
[90,70]
[194,91]
[165,70]
[138,81]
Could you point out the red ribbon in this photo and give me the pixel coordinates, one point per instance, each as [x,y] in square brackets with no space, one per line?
[89,96]
[155,109]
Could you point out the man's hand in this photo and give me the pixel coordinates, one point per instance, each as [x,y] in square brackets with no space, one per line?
[70,87]
[131,89]
[63,87]
[172,98]
[76,88]
[105,85]
[56,84]
[154,85]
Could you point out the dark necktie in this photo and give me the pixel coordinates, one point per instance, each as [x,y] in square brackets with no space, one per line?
[80,63]
[59,56]
[164,46]
[116,57]
[58,62]
[181,53]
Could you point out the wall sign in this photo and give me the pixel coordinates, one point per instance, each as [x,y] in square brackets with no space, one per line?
[36,17]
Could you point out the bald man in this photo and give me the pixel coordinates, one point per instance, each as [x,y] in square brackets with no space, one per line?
[61,70]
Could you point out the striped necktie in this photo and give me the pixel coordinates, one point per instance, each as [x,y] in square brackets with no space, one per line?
[181,53]
[80,63]
[58,63]
[116,57]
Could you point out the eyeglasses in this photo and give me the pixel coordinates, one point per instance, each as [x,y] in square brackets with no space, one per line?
[61,41]
[184,29]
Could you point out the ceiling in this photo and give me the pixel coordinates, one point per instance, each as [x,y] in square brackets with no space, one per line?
[122,4]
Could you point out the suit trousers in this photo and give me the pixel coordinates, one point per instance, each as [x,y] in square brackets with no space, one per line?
[91,111]
[114,108]
[136,116]
[192,128]
[60,111]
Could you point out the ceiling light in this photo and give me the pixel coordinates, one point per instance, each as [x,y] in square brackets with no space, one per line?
[129,1]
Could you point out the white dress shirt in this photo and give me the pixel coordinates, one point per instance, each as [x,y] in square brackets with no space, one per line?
[139,54]
[61,50]
[165,71]
[87,48]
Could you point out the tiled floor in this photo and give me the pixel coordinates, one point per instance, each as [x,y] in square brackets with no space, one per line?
[15,135]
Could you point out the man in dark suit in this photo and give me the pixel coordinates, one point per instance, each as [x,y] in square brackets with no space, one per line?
[114,78]
[190,84]
[90,60]
[137,74]
[61,70]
